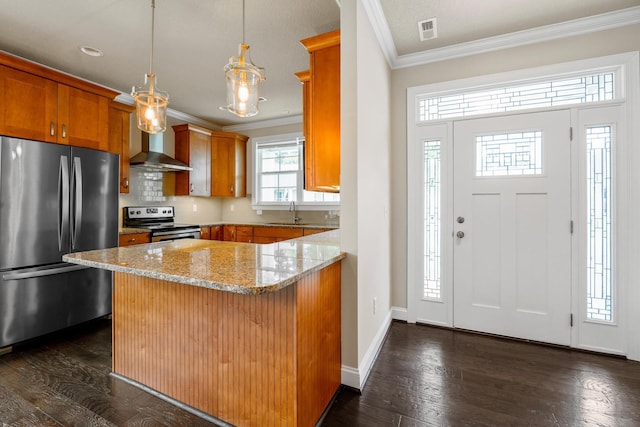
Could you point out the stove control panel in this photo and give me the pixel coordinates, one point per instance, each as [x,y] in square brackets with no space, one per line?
[149,212]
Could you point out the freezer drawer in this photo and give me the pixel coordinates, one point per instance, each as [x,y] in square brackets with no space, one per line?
[37,301]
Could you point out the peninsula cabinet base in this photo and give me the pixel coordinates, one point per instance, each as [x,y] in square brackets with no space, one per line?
[250,360]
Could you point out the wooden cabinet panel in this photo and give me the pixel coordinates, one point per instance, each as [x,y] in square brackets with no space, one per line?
[217,232]
[36,107]
[275,234]
[229,233]
[119,134]
[244,233]
[321,101]
[205,233]
[28,105]
[193,146]
[134,239]
[83,118]
[310,231]
[228,164]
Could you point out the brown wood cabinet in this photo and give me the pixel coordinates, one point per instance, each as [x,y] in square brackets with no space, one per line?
[321,104]
[134,239]
[119,134]
[275,234]
[193,146]
[205,233]
[310,231]
[237,233]
[217,232]
[46,105]
[228,164]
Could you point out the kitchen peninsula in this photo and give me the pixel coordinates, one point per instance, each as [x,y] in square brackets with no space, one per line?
[246,333]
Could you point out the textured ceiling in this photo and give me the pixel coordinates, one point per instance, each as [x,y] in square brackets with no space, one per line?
[460,21]
[194,39]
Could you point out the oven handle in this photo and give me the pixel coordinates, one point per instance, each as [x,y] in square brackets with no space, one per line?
[175,232]
[168,236]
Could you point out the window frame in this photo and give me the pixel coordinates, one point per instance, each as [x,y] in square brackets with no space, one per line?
[301,205]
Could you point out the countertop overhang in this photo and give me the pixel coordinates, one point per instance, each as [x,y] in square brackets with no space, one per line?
[244,268]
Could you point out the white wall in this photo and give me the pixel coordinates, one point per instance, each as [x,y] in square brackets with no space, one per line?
[365,186]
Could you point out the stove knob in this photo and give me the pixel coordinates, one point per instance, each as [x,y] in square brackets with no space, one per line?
[138,212]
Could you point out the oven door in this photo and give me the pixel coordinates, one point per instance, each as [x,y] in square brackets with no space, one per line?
[167,236]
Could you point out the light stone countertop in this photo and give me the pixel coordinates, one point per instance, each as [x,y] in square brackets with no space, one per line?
[244,268]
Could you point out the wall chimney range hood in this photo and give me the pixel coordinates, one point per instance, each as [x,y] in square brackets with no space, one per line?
[152,159]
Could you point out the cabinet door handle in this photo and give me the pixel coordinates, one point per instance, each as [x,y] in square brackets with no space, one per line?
[231,189]
[126,183]
[131,240]
[52,129]
[64,131]
[191,187]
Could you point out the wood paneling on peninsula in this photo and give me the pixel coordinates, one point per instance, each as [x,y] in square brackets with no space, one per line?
[252,360]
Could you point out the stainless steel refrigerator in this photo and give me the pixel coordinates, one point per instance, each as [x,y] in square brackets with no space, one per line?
[54,199]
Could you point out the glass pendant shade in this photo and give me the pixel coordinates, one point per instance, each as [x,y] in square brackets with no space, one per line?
[151,103]
[151,106]
[243,84]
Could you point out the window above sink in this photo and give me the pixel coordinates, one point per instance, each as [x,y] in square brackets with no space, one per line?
[278,180]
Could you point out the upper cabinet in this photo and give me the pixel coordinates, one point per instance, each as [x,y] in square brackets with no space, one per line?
[43,104]
[193,146]
[321,104]
[119,133]
[228,164]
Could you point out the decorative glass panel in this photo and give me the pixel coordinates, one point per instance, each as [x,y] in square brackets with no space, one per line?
[599,221]
[432,225]
[575,90]
[509,154]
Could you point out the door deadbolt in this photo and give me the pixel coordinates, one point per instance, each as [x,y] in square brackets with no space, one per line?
[460,220]
[460,234]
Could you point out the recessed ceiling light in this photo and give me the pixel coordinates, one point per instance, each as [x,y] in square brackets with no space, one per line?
[90,51]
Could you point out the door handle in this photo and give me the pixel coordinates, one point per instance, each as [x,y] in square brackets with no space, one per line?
[64,131]
[52,129]
[63,200]
[460,234]
[126,183]
[77,201]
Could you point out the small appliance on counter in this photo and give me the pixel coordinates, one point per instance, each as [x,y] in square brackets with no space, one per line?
[159,220]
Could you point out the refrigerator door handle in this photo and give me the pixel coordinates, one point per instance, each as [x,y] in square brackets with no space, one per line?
[48,271]
[63,203]
[77,201]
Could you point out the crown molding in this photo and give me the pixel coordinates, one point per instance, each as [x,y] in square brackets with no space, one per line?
[571,28]
[289,120]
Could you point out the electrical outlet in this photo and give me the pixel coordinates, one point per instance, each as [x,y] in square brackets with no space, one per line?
[232,207]
[194,207]
[375,302]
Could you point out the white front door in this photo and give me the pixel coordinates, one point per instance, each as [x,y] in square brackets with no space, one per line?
[512,226]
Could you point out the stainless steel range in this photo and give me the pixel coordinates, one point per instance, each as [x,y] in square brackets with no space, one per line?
[159,220]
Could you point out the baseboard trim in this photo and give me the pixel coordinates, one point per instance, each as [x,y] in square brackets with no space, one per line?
[399,313]
[357,377]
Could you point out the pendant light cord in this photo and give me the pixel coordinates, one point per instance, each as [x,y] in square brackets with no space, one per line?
[153,20]
[243,22]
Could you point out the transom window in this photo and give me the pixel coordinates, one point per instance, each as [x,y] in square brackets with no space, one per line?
[279,175]
[543,94]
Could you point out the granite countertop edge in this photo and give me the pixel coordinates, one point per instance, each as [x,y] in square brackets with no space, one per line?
[209,284]
[118,261]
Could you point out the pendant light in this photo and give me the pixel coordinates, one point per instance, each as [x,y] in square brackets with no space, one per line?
[243,81]
[151,103]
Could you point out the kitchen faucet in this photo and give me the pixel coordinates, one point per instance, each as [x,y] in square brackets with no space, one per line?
[292,208]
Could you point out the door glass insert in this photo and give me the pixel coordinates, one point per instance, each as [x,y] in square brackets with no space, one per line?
[565,91]
[432,225]
[599,224]
[509,154]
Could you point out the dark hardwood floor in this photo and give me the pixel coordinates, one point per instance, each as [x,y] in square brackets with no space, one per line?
[423,376]
[426,376]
